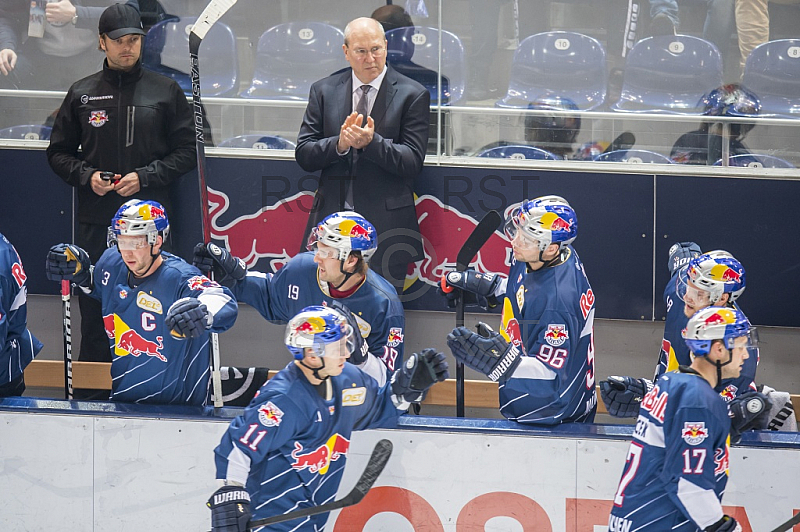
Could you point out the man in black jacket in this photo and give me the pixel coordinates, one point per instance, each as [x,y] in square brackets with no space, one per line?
[136,135]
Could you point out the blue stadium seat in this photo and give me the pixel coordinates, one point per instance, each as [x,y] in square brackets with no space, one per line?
[258,142]
[27,132]
[755,160]
[519,152]
[772,72]
[633,157]
[669,74]
[290,57]
[558,63]
[414,52]
[166,51]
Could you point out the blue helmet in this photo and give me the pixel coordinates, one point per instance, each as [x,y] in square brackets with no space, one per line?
[547,219]
[717,323]
[139,217]
[732,100]
[717,272]
[315,327]
[346,231]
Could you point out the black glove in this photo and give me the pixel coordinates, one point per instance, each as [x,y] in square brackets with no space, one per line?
[623,395]
[67,261]
[680,254]
[476,288]
[748,411]
[227,268]
[485,351]
[420,371]
[187,317]
[361,350]
[726,524]
[230,509]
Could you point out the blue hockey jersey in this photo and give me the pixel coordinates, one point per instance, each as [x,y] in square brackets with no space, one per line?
[674,351]
[289,447]
[282,295]
[677,465]
[550,312]
[17,345]
[149,365]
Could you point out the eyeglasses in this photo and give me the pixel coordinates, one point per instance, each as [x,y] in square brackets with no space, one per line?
[376,51]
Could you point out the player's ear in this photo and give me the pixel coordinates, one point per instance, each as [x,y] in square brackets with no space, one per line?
[101,45]
[723,300]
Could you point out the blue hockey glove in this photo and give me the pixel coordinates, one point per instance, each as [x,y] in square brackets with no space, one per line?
[680,254]
[188,317]
[485,351]
[420,371]
[67,261]
[726,524]
[748,411]
[227,268]
[623,395]
[475,287]
[230,509]
[361,350]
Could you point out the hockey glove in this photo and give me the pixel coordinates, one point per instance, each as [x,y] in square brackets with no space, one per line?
[361,350]
[475,287]
[227,268]
[748,411]
[680,254]
[188,317]
[230,509]
[726,524]
[487,351]
[67,261]
[411,382]
[623,395]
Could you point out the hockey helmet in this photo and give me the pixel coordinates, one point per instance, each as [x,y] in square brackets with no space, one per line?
[717,272]
[732,100]
[547,219]
[556,133]
[139,217]
[345,231]
[316,327]
[717,323]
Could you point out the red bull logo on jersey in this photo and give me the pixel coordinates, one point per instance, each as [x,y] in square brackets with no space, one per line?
[723,316]
[724,273]
[395,337]
[721,460]
[98,118]
[556,335]
[729,393]
[318,460]
[694,433]
[199,282]
[136,344]
[274,233]
[553,222]
[269,415]
[109,326]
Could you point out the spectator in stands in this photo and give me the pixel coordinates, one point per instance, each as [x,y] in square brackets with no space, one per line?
[123,154]
[18,346]
[752,24]
[704,146]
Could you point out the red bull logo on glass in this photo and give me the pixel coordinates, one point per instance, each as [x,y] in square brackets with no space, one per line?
[270,415]
[135,344]
[694,433]
[318,460]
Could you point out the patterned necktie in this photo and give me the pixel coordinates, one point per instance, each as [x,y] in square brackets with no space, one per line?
[363,104]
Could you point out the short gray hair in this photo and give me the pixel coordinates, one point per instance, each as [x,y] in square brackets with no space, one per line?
[349,28]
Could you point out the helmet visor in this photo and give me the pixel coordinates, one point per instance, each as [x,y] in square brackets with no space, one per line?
[749,340]
[689,293]
[131,243]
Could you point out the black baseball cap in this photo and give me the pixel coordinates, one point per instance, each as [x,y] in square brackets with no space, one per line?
[119,20]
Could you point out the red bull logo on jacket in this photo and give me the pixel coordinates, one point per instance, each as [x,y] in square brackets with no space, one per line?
[694,433]
[319,459]
[98,118]
[269,415]
[556,335]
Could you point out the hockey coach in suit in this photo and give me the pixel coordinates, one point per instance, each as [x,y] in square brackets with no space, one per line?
[366,129]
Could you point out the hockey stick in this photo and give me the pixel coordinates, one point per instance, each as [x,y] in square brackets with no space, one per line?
[212,13]
[788,524]
[380,456]
[475,241]
[65,308]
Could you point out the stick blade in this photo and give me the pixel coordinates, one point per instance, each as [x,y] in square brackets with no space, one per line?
[480,235]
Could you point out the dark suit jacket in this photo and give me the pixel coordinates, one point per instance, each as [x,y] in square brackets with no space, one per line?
[383,172]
